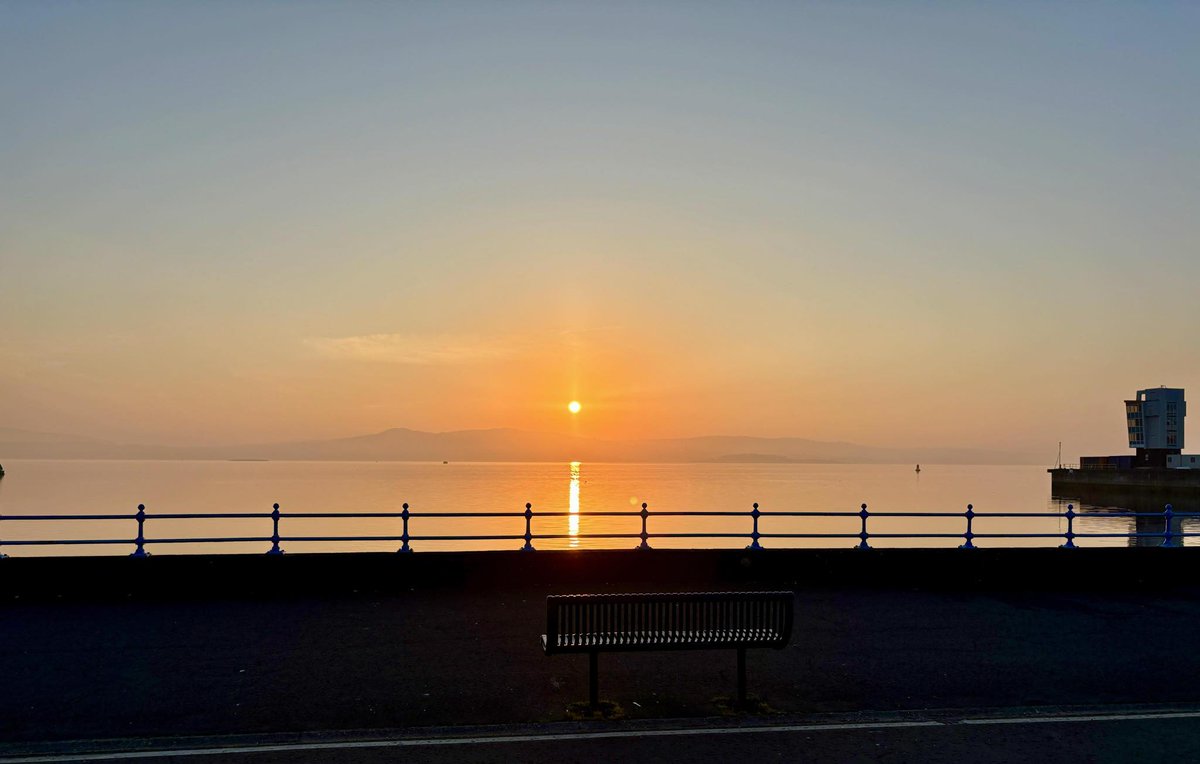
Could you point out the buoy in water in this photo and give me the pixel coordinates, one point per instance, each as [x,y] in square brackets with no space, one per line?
[918,468]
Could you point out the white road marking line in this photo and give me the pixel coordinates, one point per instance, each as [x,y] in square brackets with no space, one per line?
[1084,718]
[482,740]
[569,736]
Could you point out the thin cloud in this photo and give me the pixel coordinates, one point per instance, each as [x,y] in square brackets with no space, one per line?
[412,349]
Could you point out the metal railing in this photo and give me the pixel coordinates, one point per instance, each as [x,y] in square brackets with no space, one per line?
[1172,533]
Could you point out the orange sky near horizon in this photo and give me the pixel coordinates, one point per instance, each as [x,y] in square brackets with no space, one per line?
[890,225]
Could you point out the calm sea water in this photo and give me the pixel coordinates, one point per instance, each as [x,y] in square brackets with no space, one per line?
[117,487]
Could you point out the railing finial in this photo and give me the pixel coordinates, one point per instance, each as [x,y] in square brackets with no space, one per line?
[754,513]
[862,534]
[970,515]
[404,547]
[528,528]
[645,536]
[141,537]
[275,531]
[1070,535]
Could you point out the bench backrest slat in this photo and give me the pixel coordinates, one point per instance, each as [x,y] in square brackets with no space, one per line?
[582,621]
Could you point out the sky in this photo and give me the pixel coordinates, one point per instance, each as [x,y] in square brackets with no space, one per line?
[960,224]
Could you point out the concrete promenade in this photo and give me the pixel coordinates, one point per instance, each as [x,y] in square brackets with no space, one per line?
[123,648]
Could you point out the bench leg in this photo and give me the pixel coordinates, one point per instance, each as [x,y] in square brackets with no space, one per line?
[593,679]
[741,689]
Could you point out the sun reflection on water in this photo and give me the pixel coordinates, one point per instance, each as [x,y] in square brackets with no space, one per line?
[573,505]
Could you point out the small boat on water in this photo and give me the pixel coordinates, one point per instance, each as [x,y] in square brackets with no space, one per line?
[918,468]
[1,470]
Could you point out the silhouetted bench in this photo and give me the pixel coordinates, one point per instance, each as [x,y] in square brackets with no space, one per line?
[595,623]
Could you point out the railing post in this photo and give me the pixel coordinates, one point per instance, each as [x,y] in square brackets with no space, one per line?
[404,547]
[645,536]
[862,535]
[141,537]
[970,515]
[3,556]
[275,531]
[754,534]
[528,528]
[1070,528]
[1167,534]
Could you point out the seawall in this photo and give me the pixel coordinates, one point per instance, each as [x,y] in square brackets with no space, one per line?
[291,575]
[1160,483]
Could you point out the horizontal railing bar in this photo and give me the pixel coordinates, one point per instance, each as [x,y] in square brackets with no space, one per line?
[535,537]
[1160,515]
[986,515]
[283,539]
[412,537]
[534,513]
[694,535]
[204,540]
[1155,535]
[334,539]
[917,535]
[804,535]
[746,513]
[411,514]
[788,513]
[6,518]
[948,515]
[542,536]
[624,513]
[1008,535]
[518,537]
[62,542]
[693,513]
[207,516]
[302,515]
[433,515]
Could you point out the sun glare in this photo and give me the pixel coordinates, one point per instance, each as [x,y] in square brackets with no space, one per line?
[574,407]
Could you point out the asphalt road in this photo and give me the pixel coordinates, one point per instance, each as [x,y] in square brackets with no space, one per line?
[464,657]
[1105,735]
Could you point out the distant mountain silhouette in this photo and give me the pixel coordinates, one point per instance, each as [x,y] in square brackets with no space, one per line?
[508,445]
[13,435]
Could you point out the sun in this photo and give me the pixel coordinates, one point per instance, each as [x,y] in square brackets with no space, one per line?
[574,407]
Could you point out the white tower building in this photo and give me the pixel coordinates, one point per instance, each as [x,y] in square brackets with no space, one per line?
[1155,424]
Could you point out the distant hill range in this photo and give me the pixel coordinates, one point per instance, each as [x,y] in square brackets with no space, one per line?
[508,445]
